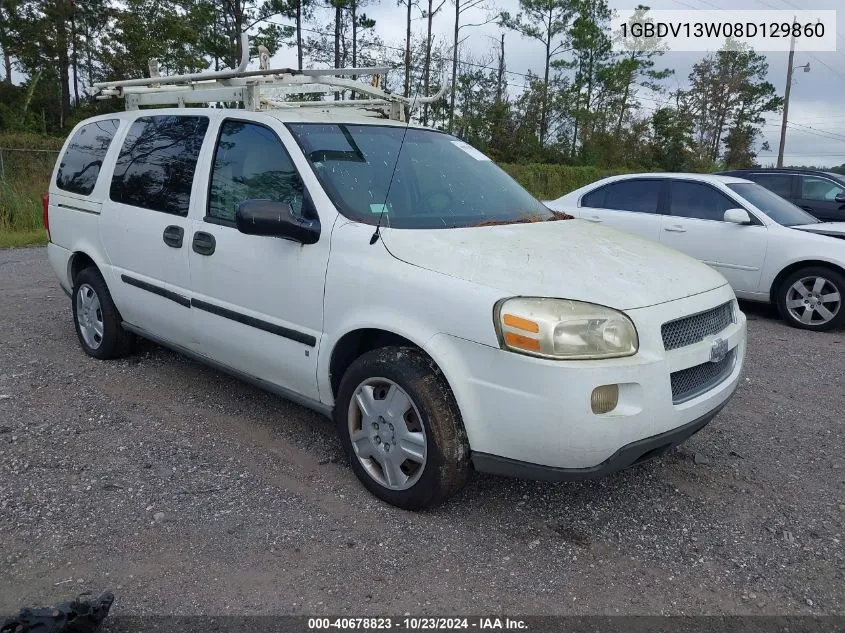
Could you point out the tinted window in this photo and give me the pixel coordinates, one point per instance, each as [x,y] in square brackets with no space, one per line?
[155,169]
[697,200]
[780,184]
[780,210]
[250,163]
[594,199]
[81,162]
[633,195]
[435,181]
[821,189]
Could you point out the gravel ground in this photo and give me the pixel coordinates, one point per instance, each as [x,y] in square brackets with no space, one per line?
[188,492]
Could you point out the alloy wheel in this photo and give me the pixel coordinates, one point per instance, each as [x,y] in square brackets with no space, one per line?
[813,300]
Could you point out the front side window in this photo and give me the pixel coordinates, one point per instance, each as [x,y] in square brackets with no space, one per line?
[820,189]
[84,156]
[155,168]
[780,184]
[437,181]
[780,210]
[699,201]
[250,163]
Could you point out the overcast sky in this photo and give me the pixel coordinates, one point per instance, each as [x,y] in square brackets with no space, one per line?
[817,104]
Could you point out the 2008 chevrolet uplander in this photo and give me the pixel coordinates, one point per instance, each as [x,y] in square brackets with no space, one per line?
[402,292]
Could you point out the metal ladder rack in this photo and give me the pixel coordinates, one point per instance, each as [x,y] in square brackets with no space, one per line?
[264,88]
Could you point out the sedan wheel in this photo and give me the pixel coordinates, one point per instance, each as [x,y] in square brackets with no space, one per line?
[813,301]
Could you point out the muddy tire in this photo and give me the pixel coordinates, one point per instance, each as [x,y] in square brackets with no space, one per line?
[401,428]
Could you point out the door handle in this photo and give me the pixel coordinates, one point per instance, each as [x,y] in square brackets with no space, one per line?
[675,229]
[173,235]
[204,243]
[594,218]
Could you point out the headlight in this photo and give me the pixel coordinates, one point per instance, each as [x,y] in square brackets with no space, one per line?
[563,329]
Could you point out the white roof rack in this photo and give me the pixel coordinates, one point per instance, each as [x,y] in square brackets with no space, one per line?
[265,88]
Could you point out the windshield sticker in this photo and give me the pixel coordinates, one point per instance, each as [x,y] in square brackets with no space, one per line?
[379,208]
[469,149]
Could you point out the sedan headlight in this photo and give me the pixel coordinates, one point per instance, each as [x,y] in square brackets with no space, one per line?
[563,329]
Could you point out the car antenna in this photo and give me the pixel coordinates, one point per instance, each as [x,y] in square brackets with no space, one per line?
[377,232]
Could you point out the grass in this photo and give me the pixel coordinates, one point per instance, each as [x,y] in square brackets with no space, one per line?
[17,239]
[24,179]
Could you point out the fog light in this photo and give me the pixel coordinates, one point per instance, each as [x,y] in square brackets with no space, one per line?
[604,398]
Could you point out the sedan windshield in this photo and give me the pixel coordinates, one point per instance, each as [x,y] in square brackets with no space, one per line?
[780,210]
[437,181]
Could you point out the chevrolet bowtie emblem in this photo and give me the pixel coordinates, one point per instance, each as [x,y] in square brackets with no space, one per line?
[718,350]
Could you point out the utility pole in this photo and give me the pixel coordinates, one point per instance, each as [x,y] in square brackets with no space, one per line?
[786,100]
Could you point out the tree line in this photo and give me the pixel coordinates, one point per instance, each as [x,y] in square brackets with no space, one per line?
[583,103]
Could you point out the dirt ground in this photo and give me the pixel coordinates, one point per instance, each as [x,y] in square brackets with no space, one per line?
[188,492]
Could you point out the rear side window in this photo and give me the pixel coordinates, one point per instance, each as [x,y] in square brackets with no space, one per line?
[780,184]
[594,199]
[641,196]
[84,156]
[156,165]
[250,163]
[697,200]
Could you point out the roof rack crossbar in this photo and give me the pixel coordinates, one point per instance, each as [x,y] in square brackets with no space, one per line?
[263,87]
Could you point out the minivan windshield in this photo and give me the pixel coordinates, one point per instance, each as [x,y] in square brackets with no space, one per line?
[781,211]
[438,181]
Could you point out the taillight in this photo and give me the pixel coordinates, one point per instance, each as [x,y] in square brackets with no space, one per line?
[45,201]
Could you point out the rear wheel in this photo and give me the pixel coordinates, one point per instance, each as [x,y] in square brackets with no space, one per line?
[401,428]
[811,299]
[98,323]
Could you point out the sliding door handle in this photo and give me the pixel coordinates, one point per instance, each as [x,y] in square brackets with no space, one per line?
[204,243]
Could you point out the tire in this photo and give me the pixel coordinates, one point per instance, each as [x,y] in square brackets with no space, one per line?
[812,299]
[431,458]
[98,322]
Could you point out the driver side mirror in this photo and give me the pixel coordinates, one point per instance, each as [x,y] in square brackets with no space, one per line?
[840,197]
[737,216]
[276,219]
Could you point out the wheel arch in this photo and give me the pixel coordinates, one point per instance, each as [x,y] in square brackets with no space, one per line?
[77,262]
[357,342]
[791,268]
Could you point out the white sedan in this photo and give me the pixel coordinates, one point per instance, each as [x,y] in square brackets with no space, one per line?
[767,248]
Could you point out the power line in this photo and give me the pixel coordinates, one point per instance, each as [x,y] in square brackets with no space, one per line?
[811,155]
[833,135]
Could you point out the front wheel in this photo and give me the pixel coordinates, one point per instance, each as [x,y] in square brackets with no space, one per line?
[401,428]
[811,299]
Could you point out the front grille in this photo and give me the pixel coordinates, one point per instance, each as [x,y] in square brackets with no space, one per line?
[694,381]
[697,327]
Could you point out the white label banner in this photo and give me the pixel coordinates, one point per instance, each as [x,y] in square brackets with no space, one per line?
[710,30]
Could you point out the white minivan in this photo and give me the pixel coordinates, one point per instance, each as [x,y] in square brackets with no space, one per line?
[394,278]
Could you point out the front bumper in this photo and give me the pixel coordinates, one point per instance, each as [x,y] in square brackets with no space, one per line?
[627,456]
[536,411]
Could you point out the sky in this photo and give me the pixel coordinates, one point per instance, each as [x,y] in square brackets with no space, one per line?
[816,135]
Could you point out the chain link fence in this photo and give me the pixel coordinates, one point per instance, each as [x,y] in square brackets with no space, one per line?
[18,159]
